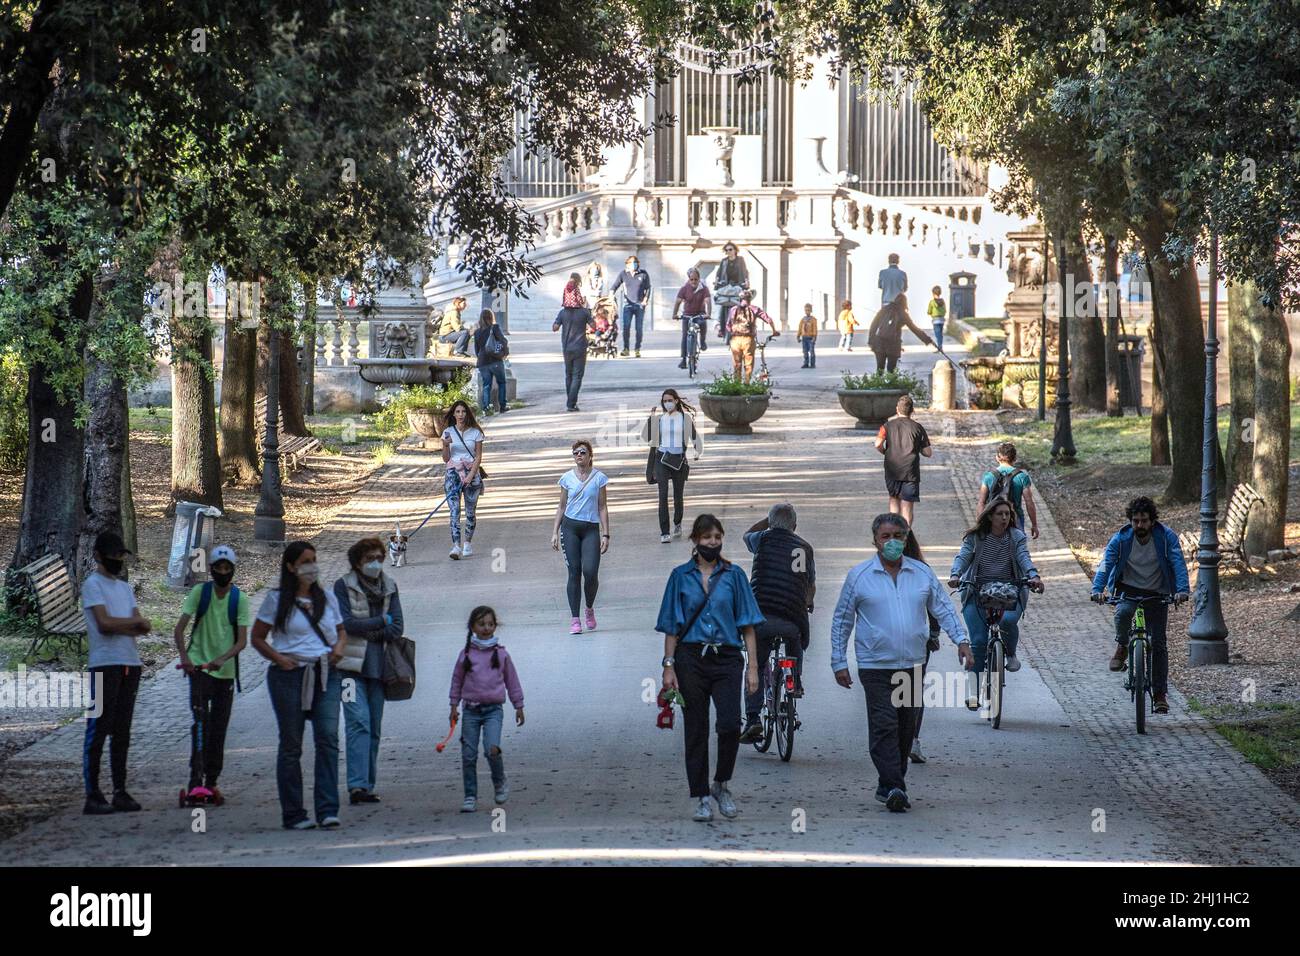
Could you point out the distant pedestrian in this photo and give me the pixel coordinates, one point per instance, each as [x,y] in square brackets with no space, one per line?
[1007,480]
[937,311]
[730,279]
[582,526]
[113,623]
[462,450]
[742,329]
[707,617]
[885,337]
[299,630]
[669,429]
[847,323]
[808,336]
[452,329]
[490,351]
[221,617]
[884,605]
[635,283]
[371,611]
[572,322]
[484,675]
[893,281]
[903,440]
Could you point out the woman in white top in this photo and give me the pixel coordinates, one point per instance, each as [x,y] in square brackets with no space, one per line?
[668,434]
[582,523]
[462,450]
[306,640]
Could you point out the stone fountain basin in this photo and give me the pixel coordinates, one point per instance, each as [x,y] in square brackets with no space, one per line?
[410,371]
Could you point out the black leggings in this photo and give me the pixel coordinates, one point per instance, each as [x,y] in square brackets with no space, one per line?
[666,476]
[581,542]
[886,363]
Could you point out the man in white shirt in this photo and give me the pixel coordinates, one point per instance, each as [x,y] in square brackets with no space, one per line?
[883,604]
[113,622]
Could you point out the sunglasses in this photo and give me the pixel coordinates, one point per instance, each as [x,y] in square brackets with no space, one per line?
[580,451]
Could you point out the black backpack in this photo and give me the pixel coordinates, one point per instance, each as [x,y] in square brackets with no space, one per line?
[232,608]
[1003,483]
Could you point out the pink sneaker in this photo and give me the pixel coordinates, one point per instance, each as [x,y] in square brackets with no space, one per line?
[575,627]
[591,619]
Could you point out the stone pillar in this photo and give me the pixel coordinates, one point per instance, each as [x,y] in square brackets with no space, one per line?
[943,382]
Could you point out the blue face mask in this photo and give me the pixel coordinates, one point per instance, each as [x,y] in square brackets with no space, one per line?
[893,549]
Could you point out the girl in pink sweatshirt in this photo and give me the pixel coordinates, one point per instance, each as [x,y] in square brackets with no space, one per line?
[483,676]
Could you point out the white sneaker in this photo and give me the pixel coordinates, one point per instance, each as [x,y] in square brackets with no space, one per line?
[677,531]
[1012,664]
[972,691]
[466,550]
[726,805]
[469,806]
[329,823]
[664,539]
[916,756]
[454,553]
[304,825]
[502,793]
[703,811]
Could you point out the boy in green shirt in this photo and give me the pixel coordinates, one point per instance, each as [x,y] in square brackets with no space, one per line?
[937,311]
[222,616]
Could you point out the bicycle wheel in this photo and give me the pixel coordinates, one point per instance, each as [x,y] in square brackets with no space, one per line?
[786,723]
[780,724]
[996,681]
[769,707]
[1138,666]
[692,356]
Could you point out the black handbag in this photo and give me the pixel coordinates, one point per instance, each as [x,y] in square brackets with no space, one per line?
[650,477]
[399,669]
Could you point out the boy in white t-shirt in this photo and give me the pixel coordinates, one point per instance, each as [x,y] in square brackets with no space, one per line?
[113,623]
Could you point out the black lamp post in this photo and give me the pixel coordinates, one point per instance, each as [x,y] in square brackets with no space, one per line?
[268,516]
[1042,340]
[1062,436]
[1208,633]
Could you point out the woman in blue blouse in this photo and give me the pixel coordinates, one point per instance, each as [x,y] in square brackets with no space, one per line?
[707,616]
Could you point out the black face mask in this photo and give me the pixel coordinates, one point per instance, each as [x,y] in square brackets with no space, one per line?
[709,552]
[113,566]
[222,578]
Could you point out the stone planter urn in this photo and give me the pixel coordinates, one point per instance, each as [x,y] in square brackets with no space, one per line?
[734,414]
[428,423]
[870,406]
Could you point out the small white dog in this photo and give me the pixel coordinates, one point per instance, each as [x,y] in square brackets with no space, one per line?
[397,546]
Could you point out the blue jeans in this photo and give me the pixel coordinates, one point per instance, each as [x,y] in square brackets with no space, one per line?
[702,324]
[493,371]
[455,488]
[1157,615]
[978,628]
[485,720]
[809,343]
[632,311]
[938,332]
[459,340]
[286,700]
[363,717]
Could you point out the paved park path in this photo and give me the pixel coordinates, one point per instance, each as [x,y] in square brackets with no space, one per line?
[1066,780]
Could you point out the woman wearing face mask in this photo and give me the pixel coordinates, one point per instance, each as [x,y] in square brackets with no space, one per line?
[299,630]
[707,616]
[668,433]
[372,614]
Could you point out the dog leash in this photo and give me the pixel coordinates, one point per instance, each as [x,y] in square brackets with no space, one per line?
[445,499]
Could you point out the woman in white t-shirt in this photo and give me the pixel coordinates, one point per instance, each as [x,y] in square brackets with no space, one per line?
[582,523]
[462,450]
[300,631]
[668,434]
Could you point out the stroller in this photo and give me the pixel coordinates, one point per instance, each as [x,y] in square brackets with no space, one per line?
[604,339]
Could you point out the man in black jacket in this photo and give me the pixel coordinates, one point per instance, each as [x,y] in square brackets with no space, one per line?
[784,579]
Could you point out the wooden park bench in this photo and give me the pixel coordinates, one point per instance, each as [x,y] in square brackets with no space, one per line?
[294,449]
[57,606]
[1232,534]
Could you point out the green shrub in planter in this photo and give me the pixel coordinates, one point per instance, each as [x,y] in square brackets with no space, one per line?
[728,383]
[889,381]
[391,418]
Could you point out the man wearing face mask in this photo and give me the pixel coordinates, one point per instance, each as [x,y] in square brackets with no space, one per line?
[372,615]
[635,283]
[883,604]
[221,618]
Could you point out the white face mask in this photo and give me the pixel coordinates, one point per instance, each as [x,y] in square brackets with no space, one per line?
[372,569]
[307,572]
[670,406]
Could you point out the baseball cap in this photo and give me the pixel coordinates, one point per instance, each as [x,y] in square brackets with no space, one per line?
[222,552]
[109,544]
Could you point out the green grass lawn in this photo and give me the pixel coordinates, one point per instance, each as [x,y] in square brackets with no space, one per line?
[991,327]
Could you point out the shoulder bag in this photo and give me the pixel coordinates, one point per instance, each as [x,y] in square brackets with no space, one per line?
[399,668]
[482,472]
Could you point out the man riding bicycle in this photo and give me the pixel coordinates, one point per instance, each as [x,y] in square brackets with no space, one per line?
[693,304]
[1142,565]
[784,579]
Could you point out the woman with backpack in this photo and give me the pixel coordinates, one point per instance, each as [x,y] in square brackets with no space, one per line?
[490,351]
[299,630]
[670,427]
[885,336]
[462,450]
[582,526]
[372,615]
[707,617]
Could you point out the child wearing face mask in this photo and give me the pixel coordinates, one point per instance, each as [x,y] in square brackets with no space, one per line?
[669,429]
[221,617]
[372,614]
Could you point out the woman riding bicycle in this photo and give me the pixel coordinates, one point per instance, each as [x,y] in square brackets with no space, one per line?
[994,551]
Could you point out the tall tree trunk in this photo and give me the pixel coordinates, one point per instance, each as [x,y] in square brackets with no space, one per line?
[1243,311]
[238,440]
[291,387]
[1271,460]
[1110,282]
[107,434]
[1182,339]
[31,84]
[1087,338]
[1159,411]
[196,467]
[307,367]
[129,527]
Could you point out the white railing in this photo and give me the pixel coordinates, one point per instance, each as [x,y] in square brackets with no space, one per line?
[863,214]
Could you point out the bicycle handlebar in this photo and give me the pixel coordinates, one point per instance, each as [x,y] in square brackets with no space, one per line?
[1117,597]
